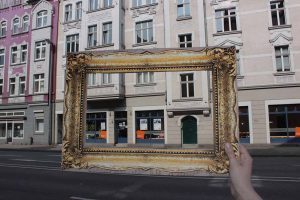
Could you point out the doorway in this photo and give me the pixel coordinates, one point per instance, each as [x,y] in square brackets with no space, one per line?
[9,132]
[121,127]
[189,130]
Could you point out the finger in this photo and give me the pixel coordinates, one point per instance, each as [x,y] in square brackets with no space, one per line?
[244,153]
[230,153]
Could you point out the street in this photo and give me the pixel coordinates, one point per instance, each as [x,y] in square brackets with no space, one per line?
[37,175]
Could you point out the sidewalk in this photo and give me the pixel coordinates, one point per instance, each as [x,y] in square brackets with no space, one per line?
[256,150]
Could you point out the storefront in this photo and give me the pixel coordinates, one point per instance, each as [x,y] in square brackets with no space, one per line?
[12,126]
[96,127]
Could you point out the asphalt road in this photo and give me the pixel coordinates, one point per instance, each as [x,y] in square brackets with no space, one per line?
[37,175]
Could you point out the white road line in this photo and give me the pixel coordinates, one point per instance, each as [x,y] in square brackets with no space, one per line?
[80,198]
[29,160]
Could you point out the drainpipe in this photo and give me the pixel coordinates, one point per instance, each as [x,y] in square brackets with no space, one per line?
[205,23]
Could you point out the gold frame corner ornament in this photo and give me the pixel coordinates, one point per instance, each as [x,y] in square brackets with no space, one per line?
[220,61]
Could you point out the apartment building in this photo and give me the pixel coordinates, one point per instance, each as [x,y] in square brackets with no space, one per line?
[266,36]
[28,35]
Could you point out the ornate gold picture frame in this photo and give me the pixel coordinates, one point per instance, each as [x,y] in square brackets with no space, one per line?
[220,61]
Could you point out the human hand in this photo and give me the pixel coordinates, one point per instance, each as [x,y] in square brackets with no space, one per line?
[240,171]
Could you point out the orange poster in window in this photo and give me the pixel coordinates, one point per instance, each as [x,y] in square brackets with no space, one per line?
[297,132]
[103,134]
[140,134]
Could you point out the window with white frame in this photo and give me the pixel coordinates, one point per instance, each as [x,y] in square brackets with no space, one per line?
[72,43]
[107,3]
[93,5]
[68,13]
[145,77]
[187,85]
[183,8]
[22,85]
[185,40]
[226,20]
[39,125]
[144,31]
[39,83]
[18,130]
[107,33]
[78,11]
[25,24]
[1,86]
[136,3]
[92,79]
[41,19]
[282,57]
[40,50]
[12,86]
[14,55]
[106,78]
[277,12]
[16,24]
[2,57]
[24,53]
[3,29]
[92,36]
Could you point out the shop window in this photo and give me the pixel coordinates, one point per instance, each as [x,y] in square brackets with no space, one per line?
[96,127]
[244,124]
[226,20]
[18,130]
[150,127]
[2,130]
[277,13]
[283,120]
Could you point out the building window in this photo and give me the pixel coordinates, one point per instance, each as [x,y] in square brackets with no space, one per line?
[72,43]
[78,11]
[14,55]
[1,86]
[23,53]
[12,86]
[145,77]
[92,36]
[226,20]
[93,5]
[40,50]
[283,120]
[92,79]
[238,62]
[107,33]
[2,57]
[185,41]
[16,24]
[144,31]
[244,124]
[150,126]
[25,25]
[187,85]
[22,85]
[68,13]
[3,29]
[96,127]
[39,83]
[282,58]
[106,78]
[148,2]
[18,130]
[39,125]
[42,18]
[107,3]
[136,3]
[277,13]
[183,8]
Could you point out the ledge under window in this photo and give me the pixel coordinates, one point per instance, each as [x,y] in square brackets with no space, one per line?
[99,9]
[37,28]
[100,86]
[287,73]
[38,60]
[71,21]
[100,46]
[181,18]
[184,99]
[279,27]
[144,6]
[3,36]
[227,33]
[240,77]
[144,84]
[144,44]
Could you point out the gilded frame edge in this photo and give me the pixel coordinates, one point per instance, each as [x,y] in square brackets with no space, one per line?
[220,60]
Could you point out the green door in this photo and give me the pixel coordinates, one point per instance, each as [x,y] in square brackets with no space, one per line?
[189,130]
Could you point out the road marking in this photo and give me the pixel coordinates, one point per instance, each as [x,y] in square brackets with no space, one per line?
[80,198]
[55,155]
[29,160]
